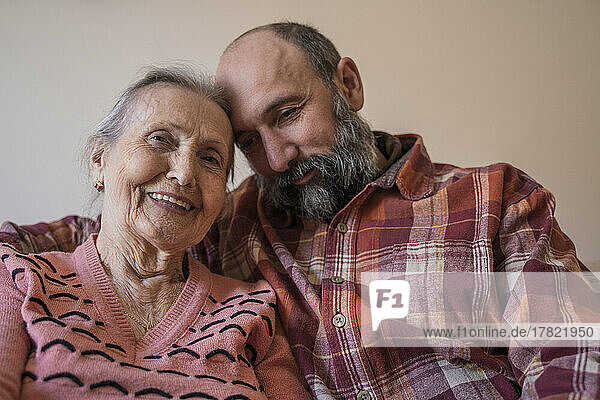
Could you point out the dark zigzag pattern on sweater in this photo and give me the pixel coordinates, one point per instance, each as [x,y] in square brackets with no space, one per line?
[115,385]
[46,261]
[57,342]
[214,378]
[15,272]
[241,303]
[125,364]
[41,303]
[67,375]
[252,351]
[87,333]
[184,350]
[200,339]
[233,326]
[116,347]
[205,327]
[97,353]
[63,294]
[257,292]
[243,312]
[269,324]
[150,391]
[238,382]
[40,278]
[32,261]
[237,397]
[198,395]
[237,296]
[243,359]
[13,248]
[48,319]
[221,309]
[220,351]
[111,384]
[173,372]
[28,374]
[75,313]
[56,281]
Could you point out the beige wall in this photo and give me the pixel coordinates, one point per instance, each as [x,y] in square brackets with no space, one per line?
[482,81]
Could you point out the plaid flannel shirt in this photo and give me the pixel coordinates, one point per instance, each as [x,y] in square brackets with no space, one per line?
[416,216]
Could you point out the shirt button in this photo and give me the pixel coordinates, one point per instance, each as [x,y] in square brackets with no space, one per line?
[363,395]
[342,228]
[339,320]
[336,279]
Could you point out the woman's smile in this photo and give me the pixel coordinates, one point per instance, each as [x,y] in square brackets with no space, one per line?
[172,202]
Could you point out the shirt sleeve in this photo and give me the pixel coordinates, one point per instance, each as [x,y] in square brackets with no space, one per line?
[62,235]
[14,341]
[530,240]
[278,372]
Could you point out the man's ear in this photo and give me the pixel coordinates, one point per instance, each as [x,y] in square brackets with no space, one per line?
[347,79]
[97,161]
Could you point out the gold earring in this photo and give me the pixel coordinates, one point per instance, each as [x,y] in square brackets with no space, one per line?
[99,186]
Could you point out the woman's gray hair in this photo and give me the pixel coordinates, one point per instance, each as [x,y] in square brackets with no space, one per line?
[111,127]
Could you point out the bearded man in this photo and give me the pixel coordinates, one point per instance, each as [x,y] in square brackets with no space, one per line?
[331,199]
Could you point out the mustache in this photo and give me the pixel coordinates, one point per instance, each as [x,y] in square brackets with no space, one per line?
[298,168]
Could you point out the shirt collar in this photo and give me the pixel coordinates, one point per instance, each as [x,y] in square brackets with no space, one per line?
[408,166]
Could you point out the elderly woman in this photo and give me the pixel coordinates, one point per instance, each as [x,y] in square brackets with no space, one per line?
[129,313]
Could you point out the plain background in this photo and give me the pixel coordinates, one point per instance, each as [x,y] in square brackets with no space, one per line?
[481,81]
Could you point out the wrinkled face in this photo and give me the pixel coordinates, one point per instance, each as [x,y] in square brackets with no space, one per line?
[165,176]
[281,111]
[310,149]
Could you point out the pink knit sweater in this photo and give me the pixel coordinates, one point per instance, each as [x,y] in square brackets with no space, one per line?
[63,335]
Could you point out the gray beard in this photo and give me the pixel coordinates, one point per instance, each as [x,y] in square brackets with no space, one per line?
[350,166]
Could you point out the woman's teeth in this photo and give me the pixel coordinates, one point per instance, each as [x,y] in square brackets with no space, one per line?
[169,199]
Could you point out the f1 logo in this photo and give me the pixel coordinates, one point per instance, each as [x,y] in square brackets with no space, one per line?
[389,300]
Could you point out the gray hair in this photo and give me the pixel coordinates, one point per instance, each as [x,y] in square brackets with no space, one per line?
[111,127]
[320,51]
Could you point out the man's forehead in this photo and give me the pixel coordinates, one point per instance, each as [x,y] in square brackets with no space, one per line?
[259,70]
[259,58]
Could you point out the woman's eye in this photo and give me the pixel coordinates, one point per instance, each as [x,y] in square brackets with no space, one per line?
[160,137]
[211,159]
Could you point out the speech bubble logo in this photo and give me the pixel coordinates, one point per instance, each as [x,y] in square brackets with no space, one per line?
[389,300]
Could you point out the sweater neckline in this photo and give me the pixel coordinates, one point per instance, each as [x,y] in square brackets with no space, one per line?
[182,314]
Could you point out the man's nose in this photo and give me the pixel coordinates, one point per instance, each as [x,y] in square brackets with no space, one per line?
[279,150]
[183,168]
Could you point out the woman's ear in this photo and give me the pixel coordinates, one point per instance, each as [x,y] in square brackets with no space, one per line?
[97,162]
[347,79]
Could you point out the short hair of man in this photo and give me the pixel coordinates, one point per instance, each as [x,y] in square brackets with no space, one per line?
[110,128]
[320,51]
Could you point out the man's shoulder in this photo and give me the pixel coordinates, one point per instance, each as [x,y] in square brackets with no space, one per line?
[506,180]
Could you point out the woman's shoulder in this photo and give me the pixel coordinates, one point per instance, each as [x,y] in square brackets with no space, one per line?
[54,267]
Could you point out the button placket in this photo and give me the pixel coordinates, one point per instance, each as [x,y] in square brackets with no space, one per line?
[339,320]
[342,228]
